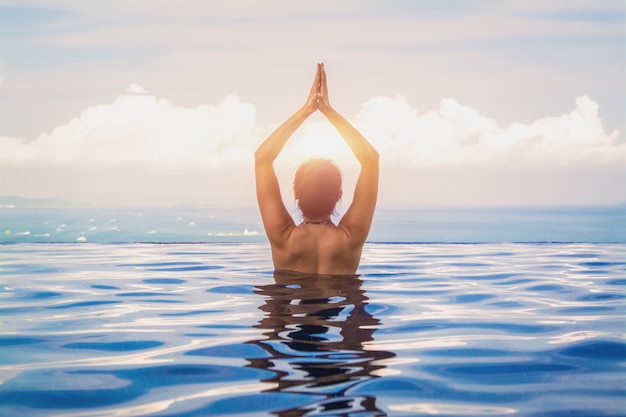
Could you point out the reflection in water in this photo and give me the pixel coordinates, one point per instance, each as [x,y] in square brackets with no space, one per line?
[315,329]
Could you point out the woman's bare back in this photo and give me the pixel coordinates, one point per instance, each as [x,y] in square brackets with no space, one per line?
[317,249]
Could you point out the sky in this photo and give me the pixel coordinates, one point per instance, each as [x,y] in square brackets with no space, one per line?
[470,103]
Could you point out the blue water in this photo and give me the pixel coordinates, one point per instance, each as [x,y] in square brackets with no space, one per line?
[19,224]
[207,329]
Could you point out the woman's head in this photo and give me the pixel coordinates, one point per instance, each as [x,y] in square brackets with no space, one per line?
[317,187]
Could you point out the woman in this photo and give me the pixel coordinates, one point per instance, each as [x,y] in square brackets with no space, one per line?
[317,246]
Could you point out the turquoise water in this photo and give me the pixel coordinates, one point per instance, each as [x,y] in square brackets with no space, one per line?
[205,224]
[207,329]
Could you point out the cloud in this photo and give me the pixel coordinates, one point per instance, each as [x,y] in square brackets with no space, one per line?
[138,128]
[459,135]
[143,145]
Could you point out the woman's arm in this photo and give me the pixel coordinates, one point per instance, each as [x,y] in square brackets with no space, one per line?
[276,219]
[358,218]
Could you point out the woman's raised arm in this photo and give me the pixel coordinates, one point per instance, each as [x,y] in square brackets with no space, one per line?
[276,218]
[358,218]
[271,147]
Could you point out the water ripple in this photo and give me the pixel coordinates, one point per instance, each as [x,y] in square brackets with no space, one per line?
[180,330]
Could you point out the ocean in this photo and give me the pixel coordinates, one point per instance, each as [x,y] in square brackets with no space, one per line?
[236,224]
[452,314]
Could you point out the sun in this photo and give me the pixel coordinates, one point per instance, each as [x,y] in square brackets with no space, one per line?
[318,139]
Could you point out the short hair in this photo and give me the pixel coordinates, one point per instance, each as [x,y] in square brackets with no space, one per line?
[317,187]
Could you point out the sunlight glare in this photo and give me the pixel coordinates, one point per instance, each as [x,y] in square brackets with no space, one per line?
[318,139]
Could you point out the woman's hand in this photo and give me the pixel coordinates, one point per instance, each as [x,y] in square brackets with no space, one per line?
[322,102]
[318,96]
[311,104]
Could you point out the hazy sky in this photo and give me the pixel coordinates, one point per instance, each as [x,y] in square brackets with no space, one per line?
[469,102]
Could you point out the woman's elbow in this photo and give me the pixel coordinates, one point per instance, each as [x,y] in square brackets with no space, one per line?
[261,157]
[372,157]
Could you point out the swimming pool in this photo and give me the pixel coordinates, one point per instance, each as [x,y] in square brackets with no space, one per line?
[206,329]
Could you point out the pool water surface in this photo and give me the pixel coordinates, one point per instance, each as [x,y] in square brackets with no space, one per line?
[209,329]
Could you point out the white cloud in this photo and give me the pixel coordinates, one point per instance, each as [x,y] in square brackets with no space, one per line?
[460,135]
[140,128]
[136,89]
[452,155]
